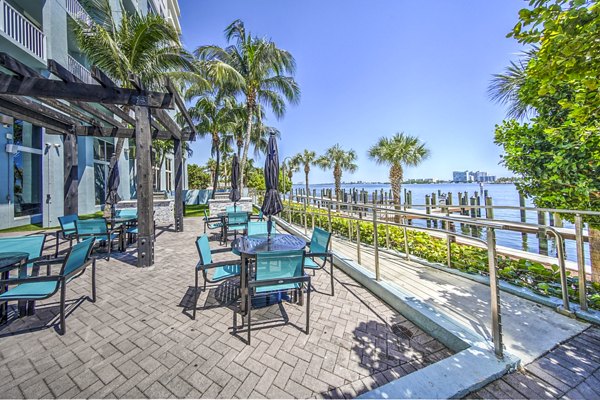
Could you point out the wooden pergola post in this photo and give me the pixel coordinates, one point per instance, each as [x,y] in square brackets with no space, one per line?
[178,150]
[145,201]
[71,177]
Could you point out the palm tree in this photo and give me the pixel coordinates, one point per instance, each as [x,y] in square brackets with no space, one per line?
[146,45]
[399,151]
[339,160]
[257,68]
[290,166]
[306,158]
[505,87]
[213,114]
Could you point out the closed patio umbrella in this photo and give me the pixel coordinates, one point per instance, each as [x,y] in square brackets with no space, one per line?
[235,195]
[114,180]
[272,202]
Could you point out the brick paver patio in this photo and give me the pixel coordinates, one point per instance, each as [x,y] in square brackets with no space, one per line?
[138,339]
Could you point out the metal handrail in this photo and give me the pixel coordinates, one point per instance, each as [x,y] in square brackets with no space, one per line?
[490,244]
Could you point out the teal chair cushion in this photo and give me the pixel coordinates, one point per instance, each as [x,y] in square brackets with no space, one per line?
[226,272]
[32,290]
[309,263]
[67,224]
[278,265]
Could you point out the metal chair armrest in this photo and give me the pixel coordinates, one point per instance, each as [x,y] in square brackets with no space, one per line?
[223,250]
[326,254]
[219,264]
[270,282]
[49,261]
[16,281]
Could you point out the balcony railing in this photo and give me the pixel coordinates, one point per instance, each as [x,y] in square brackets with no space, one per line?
[79,70]
[22,31]
[76,10]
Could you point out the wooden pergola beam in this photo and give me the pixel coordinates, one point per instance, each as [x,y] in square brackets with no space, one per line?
[41,119]
[126,133]
[54,89]
[181,106]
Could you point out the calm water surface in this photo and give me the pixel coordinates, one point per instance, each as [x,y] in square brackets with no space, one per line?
[502,195]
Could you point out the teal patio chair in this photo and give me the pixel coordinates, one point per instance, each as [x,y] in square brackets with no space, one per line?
[259,216]
[233,209]
[97,228]
[277,271]
[235,222]
[126,213]
[211,222]
[67,230]
[260,228]
[42,287]
[318,253]
[33,245]
[222,269]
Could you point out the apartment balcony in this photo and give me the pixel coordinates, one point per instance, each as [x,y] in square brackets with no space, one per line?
[77,69]
[78,12]
[22,32]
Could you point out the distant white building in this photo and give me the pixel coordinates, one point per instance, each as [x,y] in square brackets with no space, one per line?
[472,176]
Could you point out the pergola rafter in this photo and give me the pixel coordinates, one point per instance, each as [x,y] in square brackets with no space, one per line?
[72,108]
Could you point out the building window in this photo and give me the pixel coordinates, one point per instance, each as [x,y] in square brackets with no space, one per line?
[169,174]
[103,151]
[27,169]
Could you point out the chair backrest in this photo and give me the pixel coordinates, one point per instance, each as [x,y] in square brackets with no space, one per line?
[233,209]
[203,248]
[261,216]
[205,214]
[67,223]
[127,213]
[96,226]
[237,218]
[319,242]
[32,245]
[78,255]
[260,228]
[279,264]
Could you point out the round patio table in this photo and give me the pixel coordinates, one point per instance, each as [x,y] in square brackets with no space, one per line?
[8,261]
[248,246]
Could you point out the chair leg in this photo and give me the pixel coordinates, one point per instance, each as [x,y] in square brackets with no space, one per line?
[195,296]
[63,327]
[94,280]
[308,307]
[56,248]
[249,312]
[109,246]
[331,272]
[204,276]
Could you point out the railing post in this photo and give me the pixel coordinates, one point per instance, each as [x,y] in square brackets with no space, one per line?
[358,237]
[495,294]
[449,251]
[560,248]
[329,217]
[376,244]
[2,15]
[305,197]
[580,262]
[406,250]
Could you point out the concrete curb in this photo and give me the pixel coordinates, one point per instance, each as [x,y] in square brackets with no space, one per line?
[473,366]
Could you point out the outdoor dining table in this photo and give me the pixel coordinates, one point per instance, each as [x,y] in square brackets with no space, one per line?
[122,224]
[8,262]
[248,246]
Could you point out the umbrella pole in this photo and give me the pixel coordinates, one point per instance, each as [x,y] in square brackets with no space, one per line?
[269,227]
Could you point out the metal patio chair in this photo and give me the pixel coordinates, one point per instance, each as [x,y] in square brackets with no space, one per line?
[318,253]
[222,269]
[98,228]
[276,272]
[260,228]
[67,230]
[235,222]
[42,287]
[212,223]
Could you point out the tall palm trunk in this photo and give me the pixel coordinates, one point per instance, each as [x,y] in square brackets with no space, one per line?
[595,252]
[306,171]
[337,177]
[217,164]
[395,179]
[250,108]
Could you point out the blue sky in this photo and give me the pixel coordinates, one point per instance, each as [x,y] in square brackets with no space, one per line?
[372,68]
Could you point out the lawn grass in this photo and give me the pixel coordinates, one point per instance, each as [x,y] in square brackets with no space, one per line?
[195,210]
[37,227]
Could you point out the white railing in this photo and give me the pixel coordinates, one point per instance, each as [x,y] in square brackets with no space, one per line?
[76,10]
[22,31]
[79,70]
